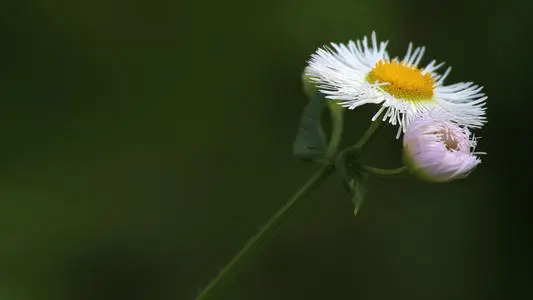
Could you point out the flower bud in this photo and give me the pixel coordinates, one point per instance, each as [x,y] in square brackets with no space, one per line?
[309,86]
[438,150]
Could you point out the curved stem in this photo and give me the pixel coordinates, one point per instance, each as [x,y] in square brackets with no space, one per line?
[267,231]
[384,172]
[337,124]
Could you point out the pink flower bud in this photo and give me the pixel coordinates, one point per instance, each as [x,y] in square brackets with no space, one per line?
[438,150]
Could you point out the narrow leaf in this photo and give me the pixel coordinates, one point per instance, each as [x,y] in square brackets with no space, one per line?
[359,190]
[354,179]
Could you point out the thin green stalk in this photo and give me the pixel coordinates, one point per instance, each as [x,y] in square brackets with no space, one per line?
[368,133]
[357,149]
[384,172]
[267,232]
[337,124]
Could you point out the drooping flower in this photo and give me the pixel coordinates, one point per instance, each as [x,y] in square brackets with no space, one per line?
[438,150]
[358,73]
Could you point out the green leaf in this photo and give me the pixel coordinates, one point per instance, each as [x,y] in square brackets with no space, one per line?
[310,143]
[346,163]
[358,189]
[353,177]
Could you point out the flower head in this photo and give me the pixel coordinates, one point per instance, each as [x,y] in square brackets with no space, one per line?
[438,150]
[359,73]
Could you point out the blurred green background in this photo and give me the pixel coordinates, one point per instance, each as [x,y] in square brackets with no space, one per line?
[144,142]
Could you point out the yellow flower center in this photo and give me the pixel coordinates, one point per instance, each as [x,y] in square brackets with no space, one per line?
[403,82]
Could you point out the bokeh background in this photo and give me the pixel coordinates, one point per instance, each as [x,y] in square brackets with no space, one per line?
[143,142]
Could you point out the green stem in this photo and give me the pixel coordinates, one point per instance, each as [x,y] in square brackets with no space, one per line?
[368,133]
[384,172]
[268,231]
[337,124]
[357,149]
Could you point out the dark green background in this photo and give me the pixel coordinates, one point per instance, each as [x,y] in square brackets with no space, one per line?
[144,142]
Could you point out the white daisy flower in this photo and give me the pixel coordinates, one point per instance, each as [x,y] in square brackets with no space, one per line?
[438,150]
[358,73]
